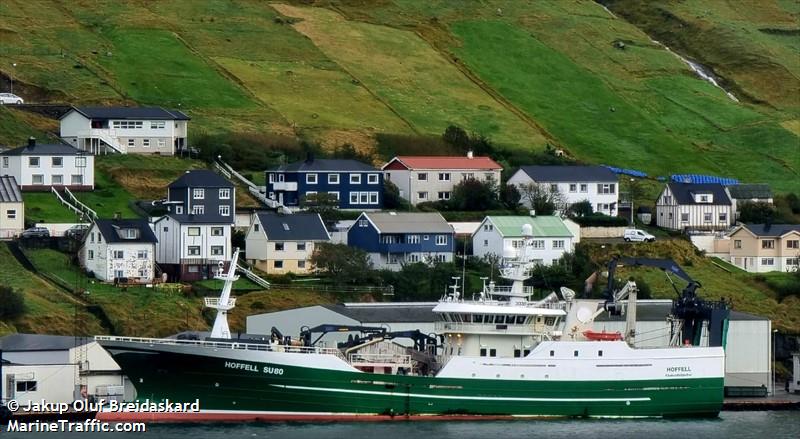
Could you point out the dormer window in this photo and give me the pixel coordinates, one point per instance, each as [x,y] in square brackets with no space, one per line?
[703,198]
[224,194]
[198,194]
[128,233]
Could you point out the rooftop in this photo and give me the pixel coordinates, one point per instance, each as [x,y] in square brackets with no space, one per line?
[116,230]
[658,310]
[771,230]
[750,191]
[33,148]
[326,165]
[148,113]
[445,162]
[406,222]
[294,227]
[569,173]
[201,178]
[543,226]
[683,192]
[39,342]
[398,312]
[9,190]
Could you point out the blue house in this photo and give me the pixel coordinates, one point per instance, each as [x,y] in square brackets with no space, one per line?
[356,185]
[393,238]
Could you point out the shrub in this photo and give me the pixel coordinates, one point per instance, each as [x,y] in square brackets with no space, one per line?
[600,220]
[12,303]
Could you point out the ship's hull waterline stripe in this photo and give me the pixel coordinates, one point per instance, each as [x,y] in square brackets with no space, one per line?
[482,398]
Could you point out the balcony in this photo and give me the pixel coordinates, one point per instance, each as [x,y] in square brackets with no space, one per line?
[289,186]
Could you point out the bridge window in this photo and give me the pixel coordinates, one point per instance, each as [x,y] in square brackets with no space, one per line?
[510,320]
[483,352]
[477,318]
[599,353]
[552,353]
[517,353]
[575,354]
[489,319]
[492,352]
[520,320]
[550,321]
[526,352]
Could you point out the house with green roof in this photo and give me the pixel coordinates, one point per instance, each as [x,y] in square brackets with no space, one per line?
[503,236]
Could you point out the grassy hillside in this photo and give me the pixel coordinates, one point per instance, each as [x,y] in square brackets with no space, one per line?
[522,73]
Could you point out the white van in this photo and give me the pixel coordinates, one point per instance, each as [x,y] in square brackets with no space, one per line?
[637,235]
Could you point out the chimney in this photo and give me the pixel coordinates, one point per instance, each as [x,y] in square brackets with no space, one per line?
[532,212]
[469,154]
[117,216]
[31,142]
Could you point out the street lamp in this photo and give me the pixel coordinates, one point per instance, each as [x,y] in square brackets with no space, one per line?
[774,356]
[11,76]
[630,194]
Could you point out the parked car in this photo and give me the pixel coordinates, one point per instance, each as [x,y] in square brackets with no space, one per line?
[76,232]
[36,232]
[10,98]
[637,235]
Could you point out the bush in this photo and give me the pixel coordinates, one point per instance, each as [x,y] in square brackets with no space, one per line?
[12,303]
[600,220]
[472,194]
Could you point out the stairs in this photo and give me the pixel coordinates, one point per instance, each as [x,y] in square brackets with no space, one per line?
[252,276]
[256,191]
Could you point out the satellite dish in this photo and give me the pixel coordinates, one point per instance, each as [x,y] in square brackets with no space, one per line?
[584,314]
[527,230]
[568,294]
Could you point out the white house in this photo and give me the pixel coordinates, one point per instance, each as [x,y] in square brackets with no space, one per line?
[279,244]
[694,207]
[596,184]
[38,167]
[119,250]
[743,193]
[12,208]
[432,178]
[126,130]
[551,237]
[59,369]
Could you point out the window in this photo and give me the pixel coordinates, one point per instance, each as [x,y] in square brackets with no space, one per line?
[5,162]
[141,254]
[355,178]
[225,210]
[218,231]
[372,179]
[517,243]
[194,231]
[444,195]
[179,209]
[128,124]
[363,197]
[422,195]
[685,217]
[90,254]
[277,264]
[767,261]
[517,353]
[33,162]
[704,198]
[80,162]
[373,198]
[26,386]
[301,246]
[131,143]
[193,250]
[76,179]
[723,217]
[37,179]
[488,227]
[413,257]
[552,353]
[353,197]
[768,244]
[198,194]
[483,352]
[486,243]
[193,269]
[422,176]
[311,178]
[794,243]
[553,187]
[216,250]
[91,237]
[707,217]
[558,244]
[492,352]
[129,233]
[198,209]
[584,187]
[412,239]
[444,176]
[388,239]
[301,264]
[488,176]
[279,246]
[58,162]
[441,239]
[363,223]
[440,257]
[11,213]
[573,187]
[737,243]
[255,228]
[162,143]
[142,272]
[607,188]
[575,353]
[146,143]
[468,176]
[792,261]
[224,194]
[334,195]
[57,179]
[119,274]
[157,125]
[599,353]
[537,244]
[118,254]
[333,178]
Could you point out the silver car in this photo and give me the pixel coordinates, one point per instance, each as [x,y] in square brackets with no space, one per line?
[10,98]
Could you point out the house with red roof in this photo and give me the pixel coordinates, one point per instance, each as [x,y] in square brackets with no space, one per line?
[432,178]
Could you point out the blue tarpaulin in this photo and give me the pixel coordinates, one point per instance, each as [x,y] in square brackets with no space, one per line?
[696,178]
[631,172]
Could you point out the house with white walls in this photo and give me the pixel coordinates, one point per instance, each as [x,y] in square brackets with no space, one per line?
[760,248]
[12,208]
[501,236]
[194,238]
[280,244]
[125,130]
[694,207]
[119,251]
[596,184]
[432,178]
[40,167]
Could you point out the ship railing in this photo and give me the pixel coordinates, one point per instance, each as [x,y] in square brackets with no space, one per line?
[554,305]
[267,347]
[380,359]
[484,328]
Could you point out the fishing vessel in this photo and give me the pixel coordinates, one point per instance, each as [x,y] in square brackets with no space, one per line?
[496,355]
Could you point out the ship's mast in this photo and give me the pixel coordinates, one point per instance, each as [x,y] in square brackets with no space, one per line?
[225,302]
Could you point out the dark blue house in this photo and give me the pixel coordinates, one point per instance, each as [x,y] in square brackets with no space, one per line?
[394,238]
[356,185]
